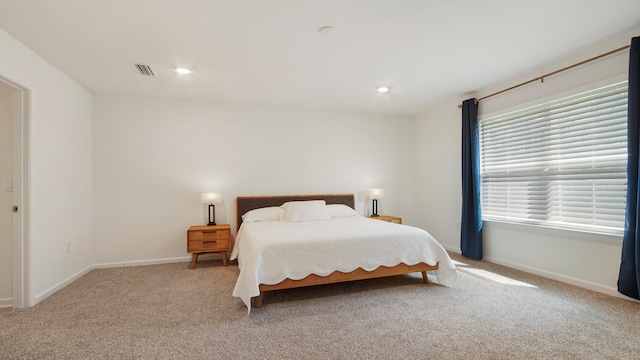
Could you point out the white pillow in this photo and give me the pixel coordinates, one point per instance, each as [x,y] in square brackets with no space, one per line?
[311,210]
[263,214]
[340,210]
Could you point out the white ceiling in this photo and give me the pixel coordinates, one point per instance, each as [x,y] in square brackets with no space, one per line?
[270,51]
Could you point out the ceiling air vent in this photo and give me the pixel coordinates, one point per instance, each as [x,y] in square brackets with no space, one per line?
[144,69]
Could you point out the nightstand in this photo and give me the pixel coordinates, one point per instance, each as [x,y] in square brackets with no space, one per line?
[393,219]
[207,239]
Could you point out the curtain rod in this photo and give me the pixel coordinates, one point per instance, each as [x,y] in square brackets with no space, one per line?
[541,78]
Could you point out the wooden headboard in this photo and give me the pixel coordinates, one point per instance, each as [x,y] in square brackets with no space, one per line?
[247,203]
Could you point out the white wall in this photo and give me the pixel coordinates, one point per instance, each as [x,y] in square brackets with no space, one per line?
[587,260]
[60,168]
[438,173]
[153,157]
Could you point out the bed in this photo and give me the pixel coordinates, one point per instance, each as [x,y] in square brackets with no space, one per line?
[316,249]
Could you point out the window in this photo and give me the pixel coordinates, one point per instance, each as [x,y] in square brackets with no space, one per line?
[561,164]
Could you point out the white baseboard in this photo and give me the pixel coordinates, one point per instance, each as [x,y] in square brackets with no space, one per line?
[554,276]
[453,250]
[81,273]
[6,304]
[141,262]
[45,294]
[608,290]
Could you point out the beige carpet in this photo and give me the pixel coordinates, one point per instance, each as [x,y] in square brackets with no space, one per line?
[172,312]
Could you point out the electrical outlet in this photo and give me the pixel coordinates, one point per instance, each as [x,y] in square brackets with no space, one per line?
[68,247]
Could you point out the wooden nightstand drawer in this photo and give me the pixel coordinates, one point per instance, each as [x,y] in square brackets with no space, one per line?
[393,219]
[209,245]
[217,234]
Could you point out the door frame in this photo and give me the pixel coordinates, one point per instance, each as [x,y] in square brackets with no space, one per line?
[21,219]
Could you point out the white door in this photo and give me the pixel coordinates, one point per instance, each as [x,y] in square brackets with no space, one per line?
[6,195]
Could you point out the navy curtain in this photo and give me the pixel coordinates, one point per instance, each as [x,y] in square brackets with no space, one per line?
[471,225]
[629,278]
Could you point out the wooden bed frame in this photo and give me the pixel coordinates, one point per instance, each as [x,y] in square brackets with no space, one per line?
[247,203]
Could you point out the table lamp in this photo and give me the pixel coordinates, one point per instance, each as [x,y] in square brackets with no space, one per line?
[211,199]
[375,194]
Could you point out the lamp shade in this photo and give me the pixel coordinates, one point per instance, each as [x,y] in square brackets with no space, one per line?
[211,198]
[376,193]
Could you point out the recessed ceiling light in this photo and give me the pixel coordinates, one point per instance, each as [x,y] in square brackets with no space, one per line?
[383,89]
[183,71]
[326,30]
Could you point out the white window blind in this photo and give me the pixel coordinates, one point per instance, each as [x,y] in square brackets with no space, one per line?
[560,164]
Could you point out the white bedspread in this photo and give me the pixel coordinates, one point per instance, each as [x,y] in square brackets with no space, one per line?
[269,252]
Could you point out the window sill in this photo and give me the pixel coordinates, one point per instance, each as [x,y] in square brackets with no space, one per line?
[599,236]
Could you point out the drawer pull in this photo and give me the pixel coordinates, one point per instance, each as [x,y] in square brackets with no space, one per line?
[209,241]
